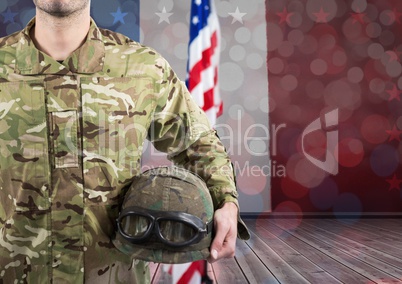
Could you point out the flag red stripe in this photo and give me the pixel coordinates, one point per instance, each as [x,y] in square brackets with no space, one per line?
[204,63]
[208,99]
[209,96]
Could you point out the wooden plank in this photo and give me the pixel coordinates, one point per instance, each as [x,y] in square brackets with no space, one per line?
[252,267]
[278,266]
[380,259]
[228,271]
[385,227]
[285,263]
[331,266]
[394,225]
[371,239]
[332,251]
[317,251]
[393,239]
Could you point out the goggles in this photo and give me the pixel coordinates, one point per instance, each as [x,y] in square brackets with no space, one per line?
[175,229]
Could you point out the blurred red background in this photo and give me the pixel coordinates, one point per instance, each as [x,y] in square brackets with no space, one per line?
[345,57]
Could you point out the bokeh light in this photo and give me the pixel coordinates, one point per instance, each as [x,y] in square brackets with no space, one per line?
[384,160]
[318,66]
[276,36]
[304,172]
[325,194]
[350,152]
[373,128]
[355,74]
[234,76]
[346,56]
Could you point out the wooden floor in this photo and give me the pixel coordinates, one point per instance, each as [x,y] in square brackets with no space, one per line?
[320,251]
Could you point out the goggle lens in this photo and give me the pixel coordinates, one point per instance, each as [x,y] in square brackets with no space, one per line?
[135,225]
[176,232]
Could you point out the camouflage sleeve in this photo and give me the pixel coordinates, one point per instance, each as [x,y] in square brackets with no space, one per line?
[181,129]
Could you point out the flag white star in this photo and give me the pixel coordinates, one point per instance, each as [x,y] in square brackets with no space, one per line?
[198,2]
[195,20]
[164,16]
[237,16]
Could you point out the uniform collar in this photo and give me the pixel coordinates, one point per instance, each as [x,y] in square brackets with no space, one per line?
[87,59]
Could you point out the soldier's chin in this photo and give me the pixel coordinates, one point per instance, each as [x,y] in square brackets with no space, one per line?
[58,10]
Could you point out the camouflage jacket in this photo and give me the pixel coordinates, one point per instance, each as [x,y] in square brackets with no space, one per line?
[71,138]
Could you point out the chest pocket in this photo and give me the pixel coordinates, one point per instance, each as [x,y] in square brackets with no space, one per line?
[23,146]
[116,117]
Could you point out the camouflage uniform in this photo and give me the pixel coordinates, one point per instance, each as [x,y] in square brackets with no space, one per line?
[71,138]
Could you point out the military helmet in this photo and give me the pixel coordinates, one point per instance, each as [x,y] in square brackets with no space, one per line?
[166,217]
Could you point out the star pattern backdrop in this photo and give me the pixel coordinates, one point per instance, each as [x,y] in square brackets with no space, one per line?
[14,15]
[343,56]
[323,55]
[164,25]
[119,15]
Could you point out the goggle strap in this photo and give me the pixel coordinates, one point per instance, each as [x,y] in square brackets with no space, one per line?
[205,242]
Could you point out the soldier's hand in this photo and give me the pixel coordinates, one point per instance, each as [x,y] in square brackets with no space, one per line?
[225,222]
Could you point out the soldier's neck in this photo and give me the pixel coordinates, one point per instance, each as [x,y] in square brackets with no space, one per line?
[59,37]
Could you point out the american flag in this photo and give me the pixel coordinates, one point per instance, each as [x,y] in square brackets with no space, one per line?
[204,48]
[188,273]
[202,82]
